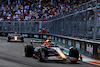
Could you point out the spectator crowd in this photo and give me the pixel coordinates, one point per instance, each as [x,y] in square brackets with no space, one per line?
[28,10]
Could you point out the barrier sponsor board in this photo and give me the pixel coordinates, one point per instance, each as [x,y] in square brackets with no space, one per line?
[52,38]
[36,36]
[30,35]
[55,38]
[89,48]
[77,45]
[98,49]
[59,40]
[9,34]
[69,42]
[49,37]
[63,41]
[4,34]
[44,36]
[25,35]
[82,45]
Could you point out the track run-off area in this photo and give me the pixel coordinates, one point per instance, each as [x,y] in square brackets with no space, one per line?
[12,55]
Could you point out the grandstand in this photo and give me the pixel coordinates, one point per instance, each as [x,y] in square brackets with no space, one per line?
[28,10]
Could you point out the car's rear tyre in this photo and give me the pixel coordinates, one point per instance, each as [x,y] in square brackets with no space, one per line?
[29,50]
[73,53]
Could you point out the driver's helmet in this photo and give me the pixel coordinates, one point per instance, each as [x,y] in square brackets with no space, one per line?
[15,32]
[48,40]
[45,45]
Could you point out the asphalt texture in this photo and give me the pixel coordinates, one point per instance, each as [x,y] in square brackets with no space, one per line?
[12,55]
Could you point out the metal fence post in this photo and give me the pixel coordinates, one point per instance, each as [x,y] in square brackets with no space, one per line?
[94,33]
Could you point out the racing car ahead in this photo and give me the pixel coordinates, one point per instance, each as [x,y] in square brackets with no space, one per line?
[50,51]
[15,37]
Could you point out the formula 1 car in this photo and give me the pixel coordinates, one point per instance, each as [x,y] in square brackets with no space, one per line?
[15,37]
[51,52]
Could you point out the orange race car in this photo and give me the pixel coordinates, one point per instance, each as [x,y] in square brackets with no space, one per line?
[51,51]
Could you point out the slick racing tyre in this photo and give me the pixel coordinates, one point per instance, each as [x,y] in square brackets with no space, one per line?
[22,39]
[29,50]
[8,39]
[75,54]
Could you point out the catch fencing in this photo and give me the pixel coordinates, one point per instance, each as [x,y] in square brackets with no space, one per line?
[82,21]
[20,27]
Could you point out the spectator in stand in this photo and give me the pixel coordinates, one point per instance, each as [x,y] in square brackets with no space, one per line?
[44,30]
[39,31]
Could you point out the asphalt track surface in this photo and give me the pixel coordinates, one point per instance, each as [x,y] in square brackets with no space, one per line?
[12,55]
